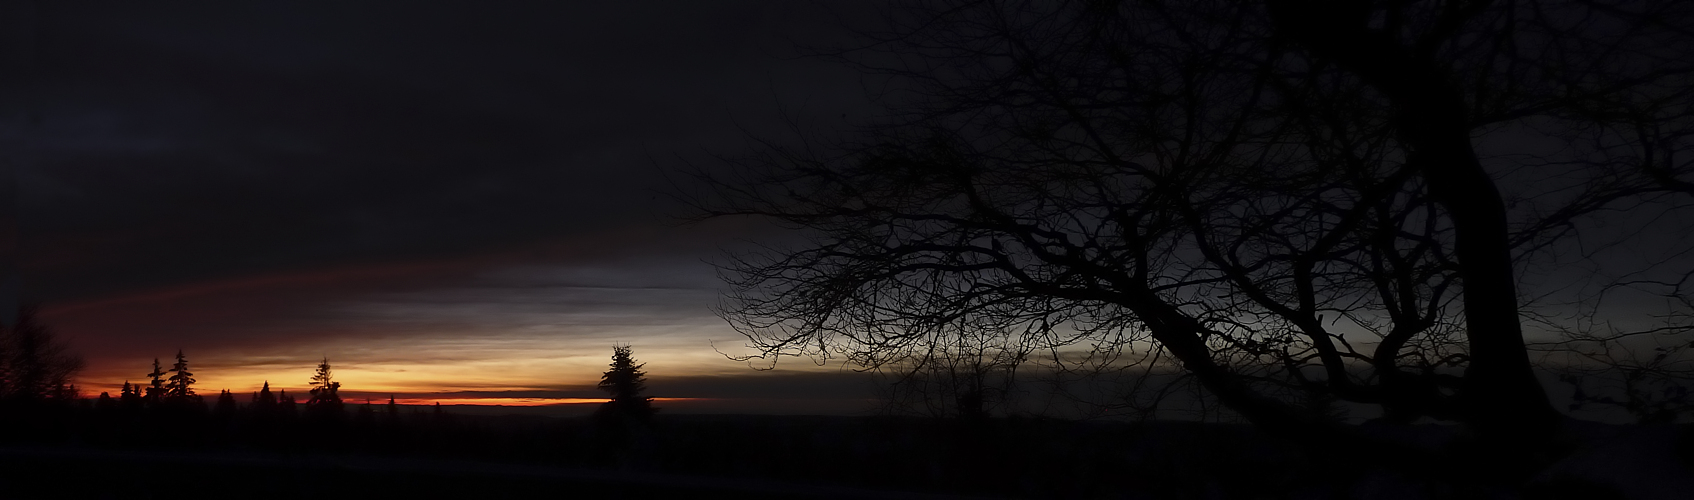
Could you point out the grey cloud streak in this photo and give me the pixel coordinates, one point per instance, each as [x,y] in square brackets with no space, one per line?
[240,179]
[177,146]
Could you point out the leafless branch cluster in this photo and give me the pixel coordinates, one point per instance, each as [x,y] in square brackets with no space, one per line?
[1278,199]
[35,365]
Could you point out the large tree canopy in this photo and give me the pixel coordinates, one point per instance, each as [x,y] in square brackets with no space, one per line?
[1277,198]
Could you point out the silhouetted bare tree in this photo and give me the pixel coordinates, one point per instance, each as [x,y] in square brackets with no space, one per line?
[1278,199]
[1646,372]
[969,378]
[35,366]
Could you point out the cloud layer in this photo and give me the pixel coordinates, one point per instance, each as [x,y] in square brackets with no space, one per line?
[436,197]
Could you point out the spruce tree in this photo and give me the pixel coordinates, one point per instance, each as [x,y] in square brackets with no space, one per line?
[625,382]
[226,403]
[326,397]
[391,412]
[131,395]
[180,387]
[156,391]
[264,402]
[284,402]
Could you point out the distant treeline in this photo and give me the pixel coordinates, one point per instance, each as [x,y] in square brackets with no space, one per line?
[166,412]
[37,370]
[174,389]
[977,456]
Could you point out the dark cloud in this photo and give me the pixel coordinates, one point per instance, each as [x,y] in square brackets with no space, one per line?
[183,145]
[236,179]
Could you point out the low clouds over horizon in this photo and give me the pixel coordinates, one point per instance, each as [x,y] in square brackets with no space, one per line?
[455,186]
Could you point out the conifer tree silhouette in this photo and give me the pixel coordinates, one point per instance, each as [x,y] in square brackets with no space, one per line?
[391,412]
[284,402]
[180,387]
[326,397]
[156,391]
[130,397]
[264,402]
[226,403]
[625,382]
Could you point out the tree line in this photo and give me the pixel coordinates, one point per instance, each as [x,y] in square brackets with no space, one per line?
[38,370]
[174,389]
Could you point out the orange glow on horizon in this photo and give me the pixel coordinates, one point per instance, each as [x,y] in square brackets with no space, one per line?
[418,369]
[518,401]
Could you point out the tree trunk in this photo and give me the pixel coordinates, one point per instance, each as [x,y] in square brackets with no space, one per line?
[1501,395]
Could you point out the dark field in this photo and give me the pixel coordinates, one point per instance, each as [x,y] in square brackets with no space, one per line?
[110,454]
[419,453]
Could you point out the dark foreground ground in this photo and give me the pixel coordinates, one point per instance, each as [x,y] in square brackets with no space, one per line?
[139,455]
[87,473]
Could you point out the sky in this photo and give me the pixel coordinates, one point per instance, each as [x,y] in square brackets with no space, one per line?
[446,202]
[454,201]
